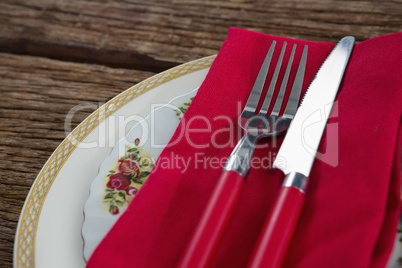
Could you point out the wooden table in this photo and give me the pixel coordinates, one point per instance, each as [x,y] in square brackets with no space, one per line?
[55,55]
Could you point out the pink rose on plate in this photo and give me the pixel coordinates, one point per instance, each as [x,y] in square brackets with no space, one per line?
[129,167]
[114,210]
[131,191]
[118,182]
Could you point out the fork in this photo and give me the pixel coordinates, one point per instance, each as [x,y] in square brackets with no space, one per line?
[205,240]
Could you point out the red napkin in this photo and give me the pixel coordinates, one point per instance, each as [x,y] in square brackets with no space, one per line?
[352,206]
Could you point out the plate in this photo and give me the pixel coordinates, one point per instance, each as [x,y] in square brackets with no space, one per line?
[49,229]
[127,168]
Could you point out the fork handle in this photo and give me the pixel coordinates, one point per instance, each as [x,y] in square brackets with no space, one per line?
[279,227]
[205,240]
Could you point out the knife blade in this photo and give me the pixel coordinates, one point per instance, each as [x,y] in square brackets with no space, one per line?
[296,156]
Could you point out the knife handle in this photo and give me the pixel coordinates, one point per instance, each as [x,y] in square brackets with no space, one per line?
[211,227]
[279,227]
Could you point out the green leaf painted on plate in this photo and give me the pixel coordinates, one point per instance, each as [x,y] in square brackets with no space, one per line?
[122,194]
[144,174]
[109,196]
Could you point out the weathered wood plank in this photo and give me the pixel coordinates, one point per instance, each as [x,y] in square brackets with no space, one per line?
[36,94]
[155,35]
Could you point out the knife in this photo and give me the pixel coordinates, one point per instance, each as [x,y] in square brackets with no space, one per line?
[296,156]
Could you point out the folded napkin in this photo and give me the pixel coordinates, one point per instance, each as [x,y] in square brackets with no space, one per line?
[352,206]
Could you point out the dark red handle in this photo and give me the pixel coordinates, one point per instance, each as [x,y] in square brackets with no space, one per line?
[278,229]
[213,222]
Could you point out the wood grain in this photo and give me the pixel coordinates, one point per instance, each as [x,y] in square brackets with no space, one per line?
[57,54]
[156,35]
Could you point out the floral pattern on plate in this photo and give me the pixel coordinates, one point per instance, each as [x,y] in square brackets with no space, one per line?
[182,109]
[131,171]
[129,165]
[125,180]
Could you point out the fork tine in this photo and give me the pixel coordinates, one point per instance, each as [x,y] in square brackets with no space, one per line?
[255,94]
[279,99]
[294,97]
[270,93]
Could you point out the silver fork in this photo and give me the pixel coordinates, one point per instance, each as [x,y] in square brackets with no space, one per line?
[259,125]
[213,222]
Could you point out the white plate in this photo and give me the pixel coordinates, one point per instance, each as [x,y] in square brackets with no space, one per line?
[124,171]
[49,228]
